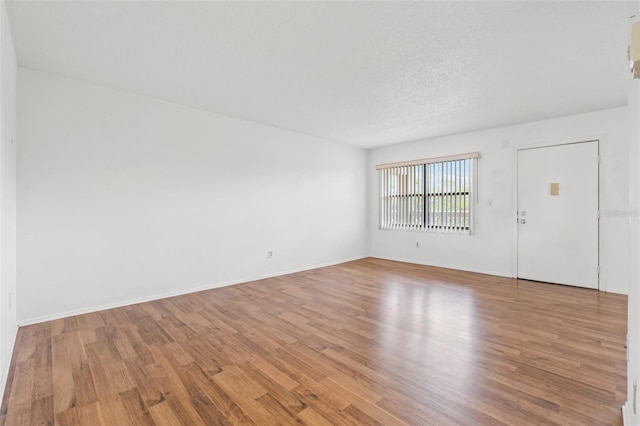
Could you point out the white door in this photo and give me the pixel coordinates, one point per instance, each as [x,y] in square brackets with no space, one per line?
[558,214]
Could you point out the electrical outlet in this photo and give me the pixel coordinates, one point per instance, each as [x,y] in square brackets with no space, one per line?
[269,254]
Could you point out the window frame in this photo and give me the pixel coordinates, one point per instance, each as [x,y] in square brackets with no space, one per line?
[423,173]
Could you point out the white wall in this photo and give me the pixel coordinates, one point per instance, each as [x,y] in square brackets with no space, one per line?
[124,198]
[490,249]
[8,71]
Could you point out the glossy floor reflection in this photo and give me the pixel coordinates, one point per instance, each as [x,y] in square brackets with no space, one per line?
[428,323]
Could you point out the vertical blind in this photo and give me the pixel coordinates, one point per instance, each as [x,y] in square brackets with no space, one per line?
[402,197]
[431,194]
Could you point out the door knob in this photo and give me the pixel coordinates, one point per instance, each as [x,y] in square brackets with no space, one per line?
[523,221]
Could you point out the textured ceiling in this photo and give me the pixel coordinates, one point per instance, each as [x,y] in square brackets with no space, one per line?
[363,73]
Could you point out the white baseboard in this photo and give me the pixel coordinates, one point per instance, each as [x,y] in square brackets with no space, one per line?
[615,290]
[476,270]
[625,414]
[137,300]
[438,265]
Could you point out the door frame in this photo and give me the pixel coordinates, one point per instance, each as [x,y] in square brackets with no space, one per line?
[599,138]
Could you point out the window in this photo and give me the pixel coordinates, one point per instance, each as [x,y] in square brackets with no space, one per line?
[433,194]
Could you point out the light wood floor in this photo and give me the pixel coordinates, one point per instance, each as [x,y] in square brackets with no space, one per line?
[365,342]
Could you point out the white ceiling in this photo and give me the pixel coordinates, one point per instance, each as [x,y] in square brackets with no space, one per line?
[363,73]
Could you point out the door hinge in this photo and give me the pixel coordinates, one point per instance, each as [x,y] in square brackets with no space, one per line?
[598,269]
[598,214]
[598,159]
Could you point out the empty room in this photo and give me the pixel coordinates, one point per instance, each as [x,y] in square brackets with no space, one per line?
[322,213]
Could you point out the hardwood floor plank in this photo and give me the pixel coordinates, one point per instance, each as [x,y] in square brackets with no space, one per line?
[198,396]
[139,347]
[312,417]
[135,408]
[231,412]
[91,415]
[113,412]
[85,391]
[361,343]
[360,403]
[272,372]
[360,416]
[320,400]
[178,353]
[86,325]
[19,406]
[280,414]
[144,384]
[283,396]
[107,387]
[244,393]
[235,379]
[64,397]
[42,411]
[168,380]
[163,415]
[67,417]
[206,355]
[122,344]
[298,363]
